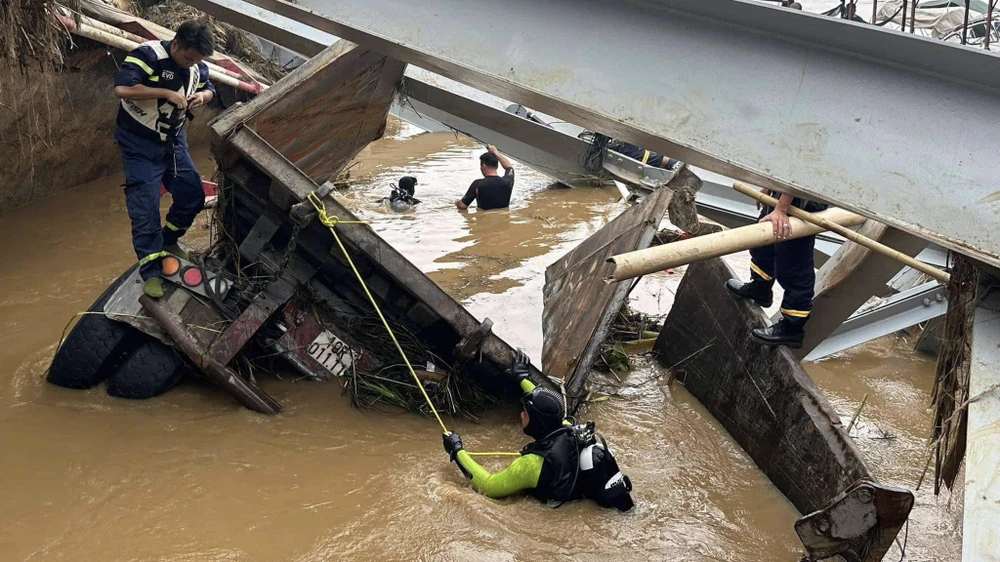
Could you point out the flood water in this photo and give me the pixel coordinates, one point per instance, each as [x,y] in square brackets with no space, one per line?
[190,476]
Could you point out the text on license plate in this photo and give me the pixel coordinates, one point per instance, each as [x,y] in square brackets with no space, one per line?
[331,353]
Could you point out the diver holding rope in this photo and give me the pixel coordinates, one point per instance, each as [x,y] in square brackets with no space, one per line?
[565,462]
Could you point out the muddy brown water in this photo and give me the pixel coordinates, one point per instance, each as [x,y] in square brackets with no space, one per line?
[191,476]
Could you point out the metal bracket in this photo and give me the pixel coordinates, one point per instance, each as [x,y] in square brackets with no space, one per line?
[849,525]
[467,348]
[303,212]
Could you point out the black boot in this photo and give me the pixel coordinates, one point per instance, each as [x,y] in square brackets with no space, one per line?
[757,291]
[782,333]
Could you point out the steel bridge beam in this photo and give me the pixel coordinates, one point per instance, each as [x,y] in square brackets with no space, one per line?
[898,312]
[892,126]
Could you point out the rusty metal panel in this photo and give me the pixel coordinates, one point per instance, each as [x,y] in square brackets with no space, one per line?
[578,305]
[764,398]
[250,321]
[322,114]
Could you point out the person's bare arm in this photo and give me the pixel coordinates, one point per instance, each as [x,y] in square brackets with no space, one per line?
[504,163]
[779,217]
[140,92]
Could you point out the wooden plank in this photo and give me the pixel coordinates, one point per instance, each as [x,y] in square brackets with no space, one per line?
[765,400]
[227,123]
[322,114]
[579,306]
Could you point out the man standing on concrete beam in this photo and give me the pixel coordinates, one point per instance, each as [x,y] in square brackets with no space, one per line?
[159,83]
[791,264]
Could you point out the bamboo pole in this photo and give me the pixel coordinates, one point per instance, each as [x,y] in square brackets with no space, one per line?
[872,245]
[651,260]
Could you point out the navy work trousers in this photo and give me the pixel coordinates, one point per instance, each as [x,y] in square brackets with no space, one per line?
[791,263]
[148,163]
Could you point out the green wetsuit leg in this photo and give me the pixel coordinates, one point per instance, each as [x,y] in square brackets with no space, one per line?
[520,475]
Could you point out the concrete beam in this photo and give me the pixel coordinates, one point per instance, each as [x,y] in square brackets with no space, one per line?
[980,533]
[749,91]
[851,277]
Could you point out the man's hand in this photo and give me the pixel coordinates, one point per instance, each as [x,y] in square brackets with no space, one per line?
[179,101]
[196,100]
[780,223]
[520,369]
[452,444]
[491,149]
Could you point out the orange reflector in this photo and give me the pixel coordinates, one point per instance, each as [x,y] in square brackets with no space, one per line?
[192,277]
[171,265]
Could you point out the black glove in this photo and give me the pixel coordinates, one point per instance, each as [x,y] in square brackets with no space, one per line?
[452,444]
[521,368]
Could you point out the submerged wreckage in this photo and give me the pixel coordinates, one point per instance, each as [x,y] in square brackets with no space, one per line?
[276,283]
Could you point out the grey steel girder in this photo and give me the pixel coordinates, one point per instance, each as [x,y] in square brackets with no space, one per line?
[716,200]
[893,126]
[897,312]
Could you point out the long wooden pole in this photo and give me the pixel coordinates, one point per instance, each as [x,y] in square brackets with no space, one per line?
[651,260]
[872,245]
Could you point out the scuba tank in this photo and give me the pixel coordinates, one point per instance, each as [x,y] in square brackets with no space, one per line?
[600,478]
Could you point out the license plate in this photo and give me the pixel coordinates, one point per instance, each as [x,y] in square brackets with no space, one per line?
[330,352]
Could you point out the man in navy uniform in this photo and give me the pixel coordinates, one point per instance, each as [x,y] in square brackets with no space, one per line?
[158,84]
[790,262]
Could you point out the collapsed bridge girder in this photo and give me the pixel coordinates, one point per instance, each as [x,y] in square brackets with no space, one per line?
[824,108]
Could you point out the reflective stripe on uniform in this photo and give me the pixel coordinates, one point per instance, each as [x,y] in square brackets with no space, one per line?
[645,157]
[154,78]
[171,226]
[760,272]
[795,313]
[139,63]
[201,84]
[152,257]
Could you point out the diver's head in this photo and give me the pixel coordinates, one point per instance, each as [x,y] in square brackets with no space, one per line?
[408,185]
[543,412]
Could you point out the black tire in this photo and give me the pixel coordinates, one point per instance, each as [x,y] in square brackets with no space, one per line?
[94,347]
[149,371]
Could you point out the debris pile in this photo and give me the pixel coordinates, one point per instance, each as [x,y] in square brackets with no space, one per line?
[632,333]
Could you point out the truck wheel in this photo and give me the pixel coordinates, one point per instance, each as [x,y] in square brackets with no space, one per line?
[149,371]
[94,347]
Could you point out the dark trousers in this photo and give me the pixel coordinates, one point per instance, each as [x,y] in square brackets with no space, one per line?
[791,264]
[148,163]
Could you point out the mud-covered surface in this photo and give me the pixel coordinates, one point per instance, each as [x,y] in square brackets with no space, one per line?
[191,476]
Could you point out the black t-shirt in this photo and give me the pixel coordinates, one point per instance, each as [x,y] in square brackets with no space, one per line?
[492,192]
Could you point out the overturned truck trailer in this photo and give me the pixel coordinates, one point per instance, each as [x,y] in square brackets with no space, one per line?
[275,282]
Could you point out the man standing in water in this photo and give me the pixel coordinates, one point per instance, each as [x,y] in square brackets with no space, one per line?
[791,263]
[492,191]
[158,84]
[565,462]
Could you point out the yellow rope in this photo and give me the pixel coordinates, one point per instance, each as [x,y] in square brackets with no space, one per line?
[494,454]
[330,221]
